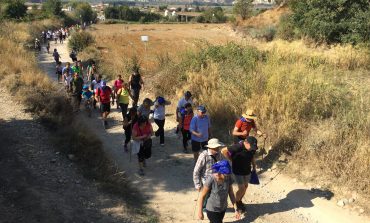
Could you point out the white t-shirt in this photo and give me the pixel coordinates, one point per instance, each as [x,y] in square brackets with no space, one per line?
[183,101]
[159,111]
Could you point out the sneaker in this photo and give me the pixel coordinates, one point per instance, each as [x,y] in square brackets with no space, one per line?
[185,151]
[141,172]
[162,144]
[240,206]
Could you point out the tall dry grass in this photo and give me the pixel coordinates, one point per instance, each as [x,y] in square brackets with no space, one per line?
[314,106]
[20,74]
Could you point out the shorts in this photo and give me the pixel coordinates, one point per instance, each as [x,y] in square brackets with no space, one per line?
[105,107]
[197,146]
[241,179]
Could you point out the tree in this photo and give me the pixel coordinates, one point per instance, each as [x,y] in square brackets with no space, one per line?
[243,8]
[52,7]
[84,12]
[15,9]
[334,21]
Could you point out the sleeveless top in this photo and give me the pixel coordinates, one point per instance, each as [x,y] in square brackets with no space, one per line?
[135,82]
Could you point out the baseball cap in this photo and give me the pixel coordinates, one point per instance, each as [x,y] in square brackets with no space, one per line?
[188,94]
[202,109]
[252,141]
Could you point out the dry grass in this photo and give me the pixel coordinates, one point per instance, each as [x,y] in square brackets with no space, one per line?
[20,74]
[267,18]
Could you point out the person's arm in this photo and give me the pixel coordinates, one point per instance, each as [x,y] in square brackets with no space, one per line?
[202,196]
[141,82]
[112,96]
[136,137]
[237,133]
[129,82]
[233,201]
[197,171]
[225,153]
[192,128]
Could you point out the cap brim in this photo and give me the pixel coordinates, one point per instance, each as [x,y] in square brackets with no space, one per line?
[214,146]
[249,117]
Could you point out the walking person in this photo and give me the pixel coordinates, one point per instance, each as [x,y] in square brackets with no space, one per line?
[67,75]
[219,187]
[91,71]
[55,36]
[160,117]
[95,85]
[128,122]
[56,56]
[186,116]
[76,88]
[117,85]
[59,71]
[242,158]
[244,125]
[103,96]
[141,133]
[203,167]
[144,108]
[123,99]
[73,55]
[48,47]
[200,127]
[60,36]
[136,84]
[180,105]
[77,68]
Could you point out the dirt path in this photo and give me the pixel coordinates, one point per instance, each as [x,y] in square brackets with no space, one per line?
[168,181]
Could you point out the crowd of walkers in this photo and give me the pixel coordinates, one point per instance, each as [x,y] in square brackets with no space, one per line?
[216,166]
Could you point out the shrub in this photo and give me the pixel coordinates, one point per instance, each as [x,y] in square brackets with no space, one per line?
[286,28]
[80,40]
[15,9]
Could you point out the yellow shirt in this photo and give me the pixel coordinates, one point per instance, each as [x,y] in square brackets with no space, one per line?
[123,98]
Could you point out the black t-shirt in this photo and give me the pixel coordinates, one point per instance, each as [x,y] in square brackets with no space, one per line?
[241,159]
[128,118]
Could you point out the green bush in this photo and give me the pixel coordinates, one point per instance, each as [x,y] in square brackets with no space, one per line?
[130,14]
[80,40]
[15,9]
[335,21]
[285,29]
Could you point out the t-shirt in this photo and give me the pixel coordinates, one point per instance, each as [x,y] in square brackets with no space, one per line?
[186,119]
[200,125]
[147,130]
[123,97]
[244,125]
[144,111]
[76,69]
[56,55]
[118,84]
[159,111]
[129,118]
[104,94]
[68,70]
[183,101]
[76,85]
[87,94]
[95,84]
[241,159]
[217,201]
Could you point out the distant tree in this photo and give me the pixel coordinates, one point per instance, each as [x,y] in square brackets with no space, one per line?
[243,8]
[84,12]
[197,9]
[14,9]
[111,13]
[52,7]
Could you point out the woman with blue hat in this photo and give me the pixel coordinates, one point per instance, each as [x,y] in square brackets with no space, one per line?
[219,187]
[160,117]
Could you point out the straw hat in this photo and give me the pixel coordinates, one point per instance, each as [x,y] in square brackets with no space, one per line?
[249,114]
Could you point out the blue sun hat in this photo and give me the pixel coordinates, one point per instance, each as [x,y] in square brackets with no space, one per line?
[222,167]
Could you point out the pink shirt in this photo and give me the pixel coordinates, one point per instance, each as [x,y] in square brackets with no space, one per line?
[118,84]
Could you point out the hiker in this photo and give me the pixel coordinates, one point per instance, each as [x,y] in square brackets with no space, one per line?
[91,71]
[123,99]
[186,116]
[242,158]
[117,85]
[76,88]
[56,56]
[60,37]
[77,68]
[219,186]
[103,96]
[180,105]
[144,108]
[87,94]
[55,35]
[244,125]
[160,117]
[73,55]
[203,167]
[141,133]
[59,71]
[67,75]
[200,126]
[136,84]
[95,85]
[48,47]
[128,122]
[37,44]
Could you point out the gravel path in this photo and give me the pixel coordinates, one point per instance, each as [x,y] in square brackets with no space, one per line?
[168,181]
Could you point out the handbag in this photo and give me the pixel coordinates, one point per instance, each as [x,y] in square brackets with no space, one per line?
[254,178]
[135,146]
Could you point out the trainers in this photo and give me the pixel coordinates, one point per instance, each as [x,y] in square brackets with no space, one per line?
[240,206]
[185,151]
[162,144]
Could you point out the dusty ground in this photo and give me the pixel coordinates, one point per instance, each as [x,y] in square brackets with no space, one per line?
[37,183]
[168,181]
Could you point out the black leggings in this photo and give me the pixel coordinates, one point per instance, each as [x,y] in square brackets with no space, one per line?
[123,109]
[160,131]
[215,217]
[145,152]
[186,136]
[128,133]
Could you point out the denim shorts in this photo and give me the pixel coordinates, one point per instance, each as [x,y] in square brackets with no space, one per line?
[241,179]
